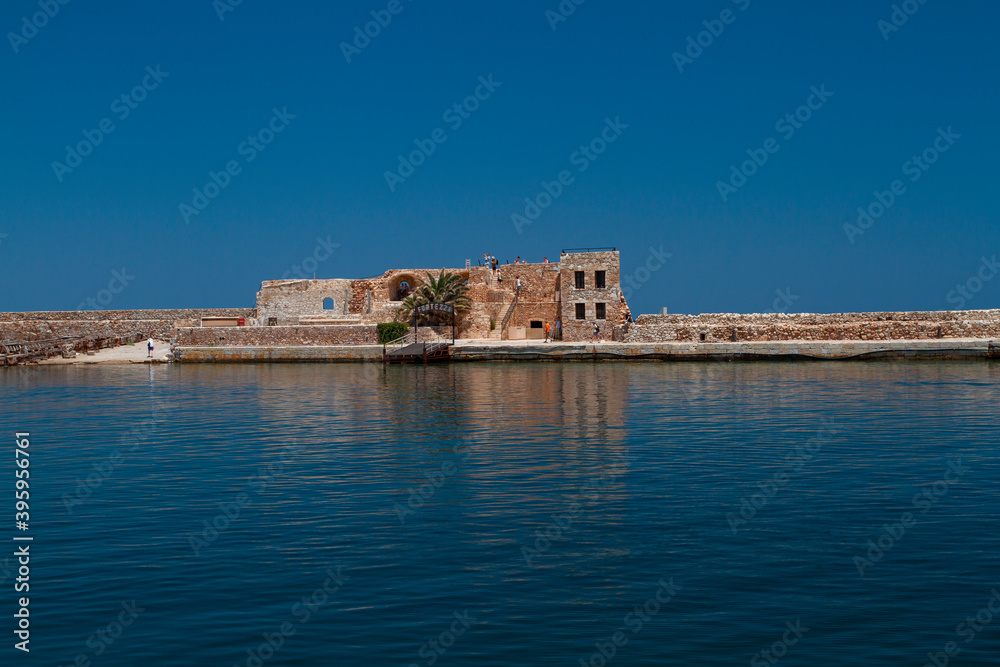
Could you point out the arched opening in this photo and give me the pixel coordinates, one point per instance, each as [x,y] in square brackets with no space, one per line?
[403,286]
[328,303]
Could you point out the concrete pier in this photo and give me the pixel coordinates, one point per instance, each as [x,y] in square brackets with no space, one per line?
[483,350]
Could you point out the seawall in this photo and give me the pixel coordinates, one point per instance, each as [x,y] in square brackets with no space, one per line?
[735,327]
[159,323]
[971,348]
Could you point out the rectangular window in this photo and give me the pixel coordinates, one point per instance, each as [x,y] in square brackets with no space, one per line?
[599,310]
[579,279]
[599,279]
[581,311]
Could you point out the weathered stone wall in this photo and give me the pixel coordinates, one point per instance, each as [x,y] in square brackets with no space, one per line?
[373,300]
[726,327]
[611,295]
[277,335]
[430,334]
[290,300]
[524,313]
[43,325]
[539,282]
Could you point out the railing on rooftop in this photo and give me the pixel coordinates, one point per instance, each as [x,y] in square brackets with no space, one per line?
[566,250]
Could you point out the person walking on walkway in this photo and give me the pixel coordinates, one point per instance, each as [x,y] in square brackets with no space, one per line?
[558,335]
[597,330]
[548,330]
[518,285]
[149,347]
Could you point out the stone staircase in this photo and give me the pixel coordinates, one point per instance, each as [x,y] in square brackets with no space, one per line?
[505,320]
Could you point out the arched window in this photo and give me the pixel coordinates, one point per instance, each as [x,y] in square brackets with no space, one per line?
[328,303]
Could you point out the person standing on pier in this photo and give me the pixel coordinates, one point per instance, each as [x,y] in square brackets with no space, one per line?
[149,347]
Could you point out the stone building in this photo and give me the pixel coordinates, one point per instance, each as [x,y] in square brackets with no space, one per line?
[579,290]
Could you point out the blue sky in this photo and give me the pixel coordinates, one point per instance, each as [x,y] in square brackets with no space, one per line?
[553,91]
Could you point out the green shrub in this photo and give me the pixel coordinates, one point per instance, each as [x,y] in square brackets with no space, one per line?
[390,331]
[493,324]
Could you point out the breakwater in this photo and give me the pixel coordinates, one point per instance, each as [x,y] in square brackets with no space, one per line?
[750,327]
[539,351]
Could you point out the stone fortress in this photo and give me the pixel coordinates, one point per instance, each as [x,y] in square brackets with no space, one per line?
[578,290]
[336,319]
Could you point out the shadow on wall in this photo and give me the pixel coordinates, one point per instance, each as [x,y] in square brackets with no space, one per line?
[403,285]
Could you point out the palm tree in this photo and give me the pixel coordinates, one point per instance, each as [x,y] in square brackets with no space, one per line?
[448,288]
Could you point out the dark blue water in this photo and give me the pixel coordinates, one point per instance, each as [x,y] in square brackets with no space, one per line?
[507,514]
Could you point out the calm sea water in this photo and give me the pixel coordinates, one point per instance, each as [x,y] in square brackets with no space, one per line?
[508,514]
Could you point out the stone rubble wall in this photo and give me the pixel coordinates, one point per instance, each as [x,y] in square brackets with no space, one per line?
[42,325]
[727,327]
[277,335]
[539,282]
